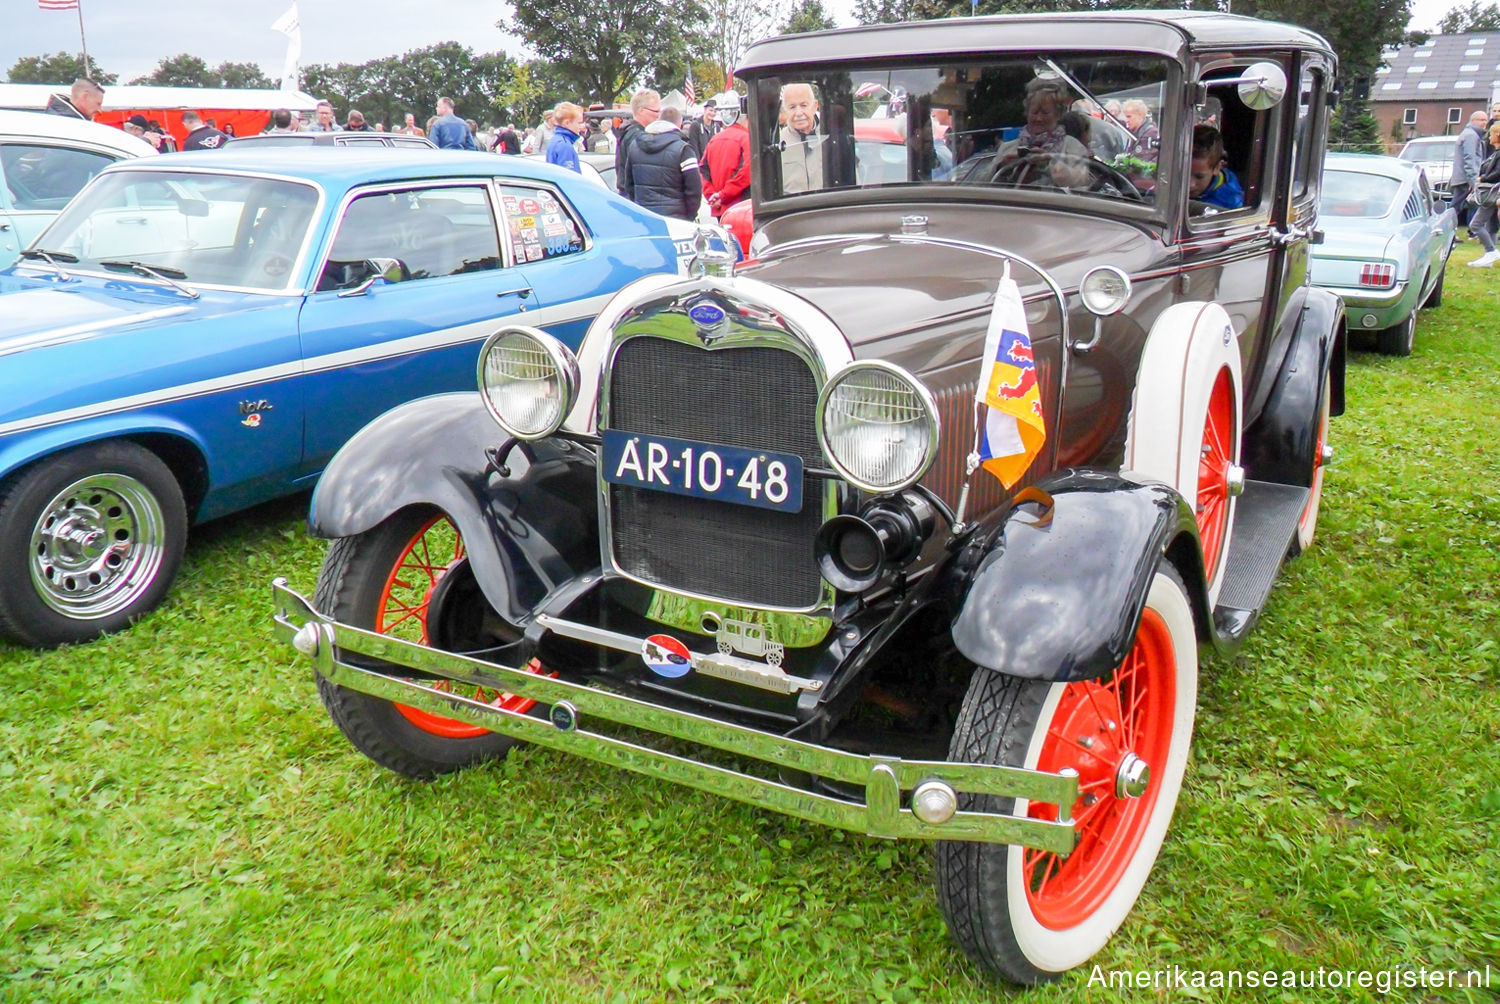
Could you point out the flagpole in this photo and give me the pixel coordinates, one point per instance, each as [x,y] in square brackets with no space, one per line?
[83,41]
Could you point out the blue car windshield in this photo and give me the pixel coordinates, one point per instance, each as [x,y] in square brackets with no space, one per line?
[1081,123]
[211,229]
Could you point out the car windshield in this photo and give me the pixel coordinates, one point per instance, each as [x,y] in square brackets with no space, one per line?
[212,229]
[1351,193]
[1085,124]
[1435,152]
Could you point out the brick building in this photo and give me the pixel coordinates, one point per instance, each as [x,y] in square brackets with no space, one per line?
[1433,88]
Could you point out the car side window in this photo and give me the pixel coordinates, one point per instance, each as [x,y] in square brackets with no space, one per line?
[429,231]
[540,225]
[1248,141]
[1309,111]
[44,178]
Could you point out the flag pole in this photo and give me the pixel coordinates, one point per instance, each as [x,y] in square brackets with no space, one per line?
[83,41]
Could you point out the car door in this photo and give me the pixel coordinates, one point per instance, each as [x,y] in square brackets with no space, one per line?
[555,252]
[36,180]
[370,342]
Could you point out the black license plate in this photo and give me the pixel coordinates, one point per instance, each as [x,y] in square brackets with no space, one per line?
[704,470]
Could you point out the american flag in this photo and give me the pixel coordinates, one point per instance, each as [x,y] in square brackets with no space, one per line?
[57,4]
[689,90]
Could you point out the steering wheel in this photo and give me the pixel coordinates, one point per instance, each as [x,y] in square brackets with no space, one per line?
[1029,168]
[1116,177]
[1022,169]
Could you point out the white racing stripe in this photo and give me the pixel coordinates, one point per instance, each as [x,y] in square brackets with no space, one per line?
[83,329]
[562,313]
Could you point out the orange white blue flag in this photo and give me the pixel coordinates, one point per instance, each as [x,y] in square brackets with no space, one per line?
[1014,429]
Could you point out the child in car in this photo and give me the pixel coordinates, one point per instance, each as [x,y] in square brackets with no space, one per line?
[1210,179]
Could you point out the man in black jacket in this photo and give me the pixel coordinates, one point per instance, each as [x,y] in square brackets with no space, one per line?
[84,100]
[645,108]
[664,169]
[706,128]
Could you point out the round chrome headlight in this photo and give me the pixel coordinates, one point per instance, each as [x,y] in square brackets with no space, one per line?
[878,426]
[1105,290]
[528,381]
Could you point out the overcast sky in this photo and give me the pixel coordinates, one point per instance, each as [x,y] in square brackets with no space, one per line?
[129,37]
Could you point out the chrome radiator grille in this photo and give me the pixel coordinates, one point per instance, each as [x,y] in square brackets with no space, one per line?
[752,397]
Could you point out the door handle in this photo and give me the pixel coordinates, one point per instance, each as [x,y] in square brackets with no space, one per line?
[4,227]
[1287,237]
[518,291]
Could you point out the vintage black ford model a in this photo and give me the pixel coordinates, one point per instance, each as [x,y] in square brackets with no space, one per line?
[749,538]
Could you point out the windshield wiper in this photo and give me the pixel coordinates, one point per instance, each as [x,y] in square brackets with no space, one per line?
[165,273]
[50,257]
[1068,77]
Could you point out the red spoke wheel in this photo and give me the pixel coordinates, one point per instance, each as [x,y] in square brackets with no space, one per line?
[1215,458]
[384,580]
[1030,915]
[436,547]
[1307,524]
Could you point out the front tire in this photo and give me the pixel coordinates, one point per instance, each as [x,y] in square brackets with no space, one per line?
[382,580]
[1030,915]
[1307,524]
[90,540]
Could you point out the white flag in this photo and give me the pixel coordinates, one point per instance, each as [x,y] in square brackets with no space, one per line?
[290,25]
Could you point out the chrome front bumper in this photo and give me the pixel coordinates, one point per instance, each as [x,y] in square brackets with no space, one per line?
[887,781]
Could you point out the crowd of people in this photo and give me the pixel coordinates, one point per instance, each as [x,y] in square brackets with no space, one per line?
[677,166]
[1475,182]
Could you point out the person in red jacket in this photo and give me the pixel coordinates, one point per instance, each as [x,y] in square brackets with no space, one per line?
[726,163]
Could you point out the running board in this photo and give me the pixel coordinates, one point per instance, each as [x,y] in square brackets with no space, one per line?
[1265,524]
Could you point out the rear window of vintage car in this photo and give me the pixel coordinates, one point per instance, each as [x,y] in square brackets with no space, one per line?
[1351,193]
[1044,121]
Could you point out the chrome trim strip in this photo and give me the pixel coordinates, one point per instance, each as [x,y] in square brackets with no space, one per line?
[328,643]
[722,667]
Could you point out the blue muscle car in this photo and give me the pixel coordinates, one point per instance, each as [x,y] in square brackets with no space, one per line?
[200,333]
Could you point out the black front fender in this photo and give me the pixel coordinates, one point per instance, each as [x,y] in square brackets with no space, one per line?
[525,534]
[1055,590]
[1280,446]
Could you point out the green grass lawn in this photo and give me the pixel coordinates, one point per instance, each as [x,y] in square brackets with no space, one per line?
[179,819]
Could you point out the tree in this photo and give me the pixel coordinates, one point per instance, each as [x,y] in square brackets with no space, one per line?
[602,47]
[1470,17]
[885,11]
[734,24]
[57,68]
[181,70]
[808,15]
[241,75]
[1354,129]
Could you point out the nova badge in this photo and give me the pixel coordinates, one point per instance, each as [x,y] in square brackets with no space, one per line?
[251,410]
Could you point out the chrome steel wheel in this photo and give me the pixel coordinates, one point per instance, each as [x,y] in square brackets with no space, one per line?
[97,546]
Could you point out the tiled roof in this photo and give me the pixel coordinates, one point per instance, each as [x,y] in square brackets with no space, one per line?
[1450,67]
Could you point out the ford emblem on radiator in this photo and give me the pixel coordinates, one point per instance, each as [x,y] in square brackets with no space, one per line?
[710,320]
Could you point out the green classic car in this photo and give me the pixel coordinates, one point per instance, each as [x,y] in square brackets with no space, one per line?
[1386,241]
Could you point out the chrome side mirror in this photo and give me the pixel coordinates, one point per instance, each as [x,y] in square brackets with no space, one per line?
[1265,92]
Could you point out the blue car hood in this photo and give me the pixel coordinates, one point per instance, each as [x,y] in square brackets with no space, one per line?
[72,345]
[37,313]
